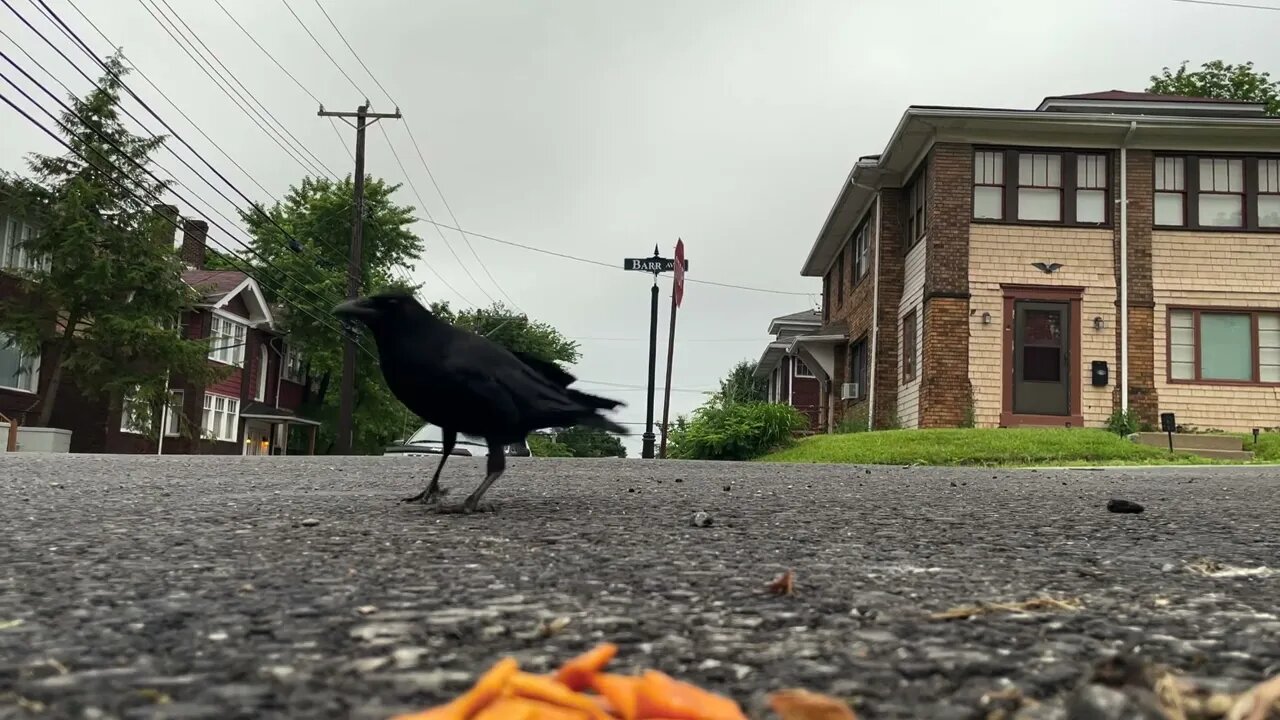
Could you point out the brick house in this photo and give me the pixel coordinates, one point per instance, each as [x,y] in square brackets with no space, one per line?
[972,271]
[790,379]
[249,412]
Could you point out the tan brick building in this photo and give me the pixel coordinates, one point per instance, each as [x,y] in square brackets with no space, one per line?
[972,274]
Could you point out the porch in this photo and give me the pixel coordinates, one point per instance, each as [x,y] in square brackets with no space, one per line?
[267,428]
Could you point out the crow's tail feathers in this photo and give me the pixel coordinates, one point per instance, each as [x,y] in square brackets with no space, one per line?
[603,423]
[594,402]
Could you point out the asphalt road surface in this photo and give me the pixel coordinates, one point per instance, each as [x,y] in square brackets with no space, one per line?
[200,587]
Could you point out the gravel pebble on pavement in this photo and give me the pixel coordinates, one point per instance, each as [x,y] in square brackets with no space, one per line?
[185,587]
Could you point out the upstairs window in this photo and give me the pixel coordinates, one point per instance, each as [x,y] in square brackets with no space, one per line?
[226,341]
[917,224]
[1041,187]
[1217,192]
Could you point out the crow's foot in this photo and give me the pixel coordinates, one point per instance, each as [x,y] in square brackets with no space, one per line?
[424,498]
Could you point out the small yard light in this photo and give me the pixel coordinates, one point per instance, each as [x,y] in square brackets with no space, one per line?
[1255,437]
[1098,324]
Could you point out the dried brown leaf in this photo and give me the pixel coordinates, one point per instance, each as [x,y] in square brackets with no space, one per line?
[785,584]
[1043,603]
[800,704]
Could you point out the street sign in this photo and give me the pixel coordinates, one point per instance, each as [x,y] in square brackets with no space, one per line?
[652,264]
[681,266]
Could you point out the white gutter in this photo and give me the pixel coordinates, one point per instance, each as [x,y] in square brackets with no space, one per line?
[1124,265]
[791,381]
[875,321]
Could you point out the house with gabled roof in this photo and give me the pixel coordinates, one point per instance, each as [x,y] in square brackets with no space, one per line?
[1098,254]
[252,410]
[790,379]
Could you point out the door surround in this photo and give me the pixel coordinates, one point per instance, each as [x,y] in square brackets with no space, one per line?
[1073,297]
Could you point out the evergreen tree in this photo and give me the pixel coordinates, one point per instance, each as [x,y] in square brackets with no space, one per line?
[105,290]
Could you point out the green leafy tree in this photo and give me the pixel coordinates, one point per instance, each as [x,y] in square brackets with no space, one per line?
[307,283]
[514,331]
[104,289]
[588,442]
[542,444]
[741,385]
[1224,81]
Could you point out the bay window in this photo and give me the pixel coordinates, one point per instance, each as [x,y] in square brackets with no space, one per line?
[1224,346]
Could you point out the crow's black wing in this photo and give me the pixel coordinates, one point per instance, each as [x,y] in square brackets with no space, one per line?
[549,370]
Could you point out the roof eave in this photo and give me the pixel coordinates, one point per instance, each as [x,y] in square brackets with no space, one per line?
[926,121]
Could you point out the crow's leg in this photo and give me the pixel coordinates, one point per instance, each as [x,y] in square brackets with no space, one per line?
[449,438]
[496,465]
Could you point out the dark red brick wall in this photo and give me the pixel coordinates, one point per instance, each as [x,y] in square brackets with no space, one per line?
[891,244]
[1143,398]
[855,313]
[193,243]
[945,390]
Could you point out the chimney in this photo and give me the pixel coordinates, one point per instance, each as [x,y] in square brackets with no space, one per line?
[193,243]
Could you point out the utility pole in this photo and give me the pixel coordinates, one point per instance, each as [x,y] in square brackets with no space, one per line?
[355,267]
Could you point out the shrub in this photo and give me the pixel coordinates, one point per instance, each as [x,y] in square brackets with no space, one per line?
[1123,422]
[543,446]
[738,431]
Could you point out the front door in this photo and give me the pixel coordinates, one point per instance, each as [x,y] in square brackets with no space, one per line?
[1041,358]
[257,438]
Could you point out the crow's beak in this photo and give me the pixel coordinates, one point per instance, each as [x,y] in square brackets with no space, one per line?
[354,309]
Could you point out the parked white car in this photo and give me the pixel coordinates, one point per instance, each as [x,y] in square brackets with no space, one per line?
[429,440]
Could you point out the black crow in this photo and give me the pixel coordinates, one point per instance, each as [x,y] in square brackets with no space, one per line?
[462,382]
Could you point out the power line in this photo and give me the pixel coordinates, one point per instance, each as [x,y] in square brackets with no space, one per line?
[229,256]
[414,189]
[314,161]
[93,56]
[135,119]
[1229,4]
[612,266]
[421,157]
[403,276]
[324,50]
[290,75]
[396,155]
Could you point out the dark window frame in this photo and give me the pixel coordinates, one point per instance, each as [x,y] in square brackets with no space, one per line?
[910,345]
[1191,193]
[859,242]
[1069,185]
[1199,379]
[839,280]
[857,367]
[916,197]
[798,363]
[1262,193]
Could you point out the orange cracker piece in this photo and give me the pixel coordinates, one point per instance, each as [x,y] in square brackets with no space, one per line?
[518,708]
[621,692]
[577,672]
[545,689]
[662,696]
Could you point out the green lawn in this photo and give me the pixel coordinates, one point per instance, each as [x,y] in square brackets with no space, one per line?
[996,447]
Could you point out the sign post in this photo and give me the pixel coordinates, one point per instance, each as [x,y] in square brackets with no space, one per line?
[677,294]
[655,265]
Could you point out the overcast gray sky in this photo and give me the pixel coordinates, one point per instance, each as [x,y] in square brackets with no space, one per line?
[598,128]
